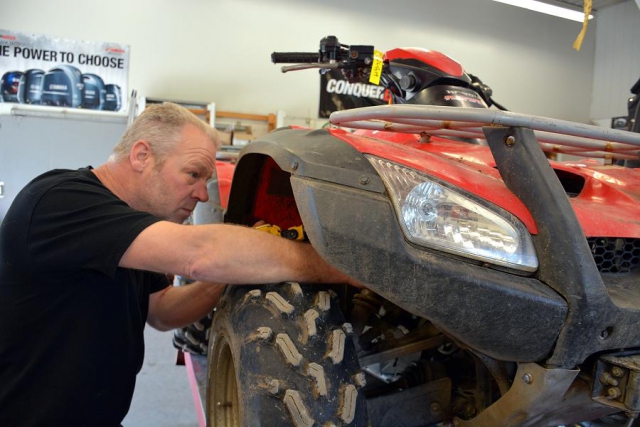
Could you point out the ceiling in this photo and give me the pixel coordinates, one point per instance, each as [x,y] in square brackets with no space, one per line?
[578,4]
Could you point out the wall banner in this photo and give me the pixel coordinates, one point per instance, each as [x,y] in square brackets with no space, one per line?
[336,93]
[43,70]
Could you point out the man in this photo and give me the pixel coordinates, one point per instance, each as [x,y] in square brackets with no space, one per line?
[83,257]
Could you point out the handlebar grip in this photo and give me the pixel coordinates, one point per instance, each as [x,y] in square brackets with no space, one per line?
[294,57]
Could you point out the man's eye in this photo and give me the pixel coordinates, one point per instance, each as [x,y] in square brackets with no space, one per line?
[194,174]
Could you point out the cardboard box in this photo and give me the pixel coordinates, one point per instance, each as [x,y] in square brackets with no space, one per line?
[226,138]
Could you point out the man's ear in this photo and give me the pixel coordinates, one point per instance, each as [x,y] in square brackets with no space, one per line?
[140,155]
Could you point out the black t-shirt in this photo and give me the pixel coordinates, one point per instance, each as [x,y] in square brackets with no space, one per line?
[71,320]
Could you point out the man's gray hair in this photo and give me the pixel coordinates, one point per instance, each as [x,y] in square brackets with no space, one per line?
[161,126]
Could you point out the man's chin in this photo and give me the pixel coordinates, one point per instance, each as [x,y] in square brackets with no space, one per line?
[180,216]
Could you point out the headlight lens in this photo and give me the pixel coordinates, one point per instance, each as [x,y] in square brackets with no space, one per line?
[434,215]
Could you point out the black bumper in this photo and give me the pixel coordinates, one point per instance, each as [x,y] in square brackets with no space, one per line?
[505,316]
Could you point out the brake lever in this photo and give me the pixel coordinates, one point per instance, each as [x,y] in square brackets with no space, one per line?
[297,67]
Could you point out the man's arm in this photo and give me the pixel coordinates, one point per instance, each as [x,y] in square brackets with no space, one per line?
[223,253]
[178,306]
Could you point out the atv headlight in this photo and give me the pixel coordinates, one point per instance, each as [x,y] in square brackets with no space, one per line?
[433,214]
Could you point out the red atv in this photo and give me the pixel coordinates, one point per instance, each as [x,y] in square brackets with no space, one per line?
[503,288]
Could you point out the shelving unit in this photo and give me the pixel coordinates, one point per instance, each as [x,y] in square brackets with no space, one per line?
[234,120]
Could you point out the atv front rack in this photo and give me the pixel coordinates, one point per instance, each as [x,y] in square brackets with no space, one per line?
[554,136]
[595,322]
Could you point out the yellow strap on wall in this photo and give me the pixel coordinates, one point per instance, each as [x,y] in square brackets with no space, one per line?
[587,11]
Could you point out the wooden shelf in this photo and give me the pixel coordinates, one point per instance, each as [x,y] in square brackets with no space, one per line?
[269,118]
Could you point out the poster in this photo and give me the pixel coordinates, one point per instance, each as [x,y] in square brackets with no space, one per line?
[44,70]
[336,93]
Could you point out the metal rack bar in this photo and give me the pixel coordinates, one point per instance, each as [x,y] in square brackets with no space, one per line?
[559,136]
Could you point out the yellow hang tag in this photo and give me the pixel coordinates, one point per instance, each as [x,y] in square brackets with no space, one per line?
[376,68]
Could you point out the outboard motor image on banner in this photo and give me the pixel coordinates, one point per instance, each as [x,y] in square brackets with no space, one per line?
[62,87]
[113,101]
[95,92]
[42,70]
[30,88]
[9,86]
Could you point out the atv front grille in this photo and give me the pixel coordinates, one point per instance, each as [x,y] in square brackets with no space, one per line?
[615,255]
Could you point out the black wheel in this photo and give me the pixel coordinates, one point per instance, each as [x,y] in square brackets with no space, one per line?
[193,338]
[282,355]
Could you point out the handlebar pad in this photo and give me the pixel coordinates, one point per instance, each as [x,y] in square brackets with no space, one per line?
[294,57]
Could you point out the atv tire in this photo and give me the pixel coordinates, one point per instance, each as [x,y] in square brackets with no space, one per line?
[282,355]
[193,338]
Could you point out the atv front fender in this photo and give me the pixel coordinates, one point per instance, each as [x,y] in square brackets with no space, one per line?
[300,152]
[350,221]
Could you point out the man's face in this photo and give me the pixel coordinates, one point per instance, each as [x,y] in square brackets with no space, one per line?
[173,189]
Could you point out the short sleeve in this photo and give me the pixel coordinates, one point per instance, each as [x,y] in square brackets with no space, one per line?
[158,282]
[81,224]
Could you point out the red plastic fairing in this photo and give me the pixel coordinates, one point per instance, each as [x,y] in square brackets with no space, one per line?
[433,58]
[464,165]
[224,171]
[607,205]
[274,202]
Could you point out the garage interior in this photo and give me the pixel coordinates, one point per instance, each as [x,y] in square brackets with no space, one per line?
[214,57]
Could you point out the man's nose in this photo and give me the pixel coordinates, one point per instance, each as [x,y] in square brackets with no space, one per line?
[201,193]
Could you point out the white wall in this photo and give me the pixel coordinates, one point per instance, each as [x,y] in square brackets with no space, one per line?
[30,146]
[219,50]
[617,65]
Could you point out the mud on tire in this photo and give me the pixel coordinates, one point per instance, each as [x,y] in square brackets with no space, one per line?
[282,355]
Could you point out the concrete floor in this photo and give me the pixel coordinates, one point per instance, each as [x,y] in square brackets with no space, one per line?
[162,397]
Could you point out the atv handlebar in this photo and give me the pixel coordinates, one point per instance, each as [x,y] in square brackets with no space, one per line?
[331,51]
[332,54]
[355,62]
[295,57]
